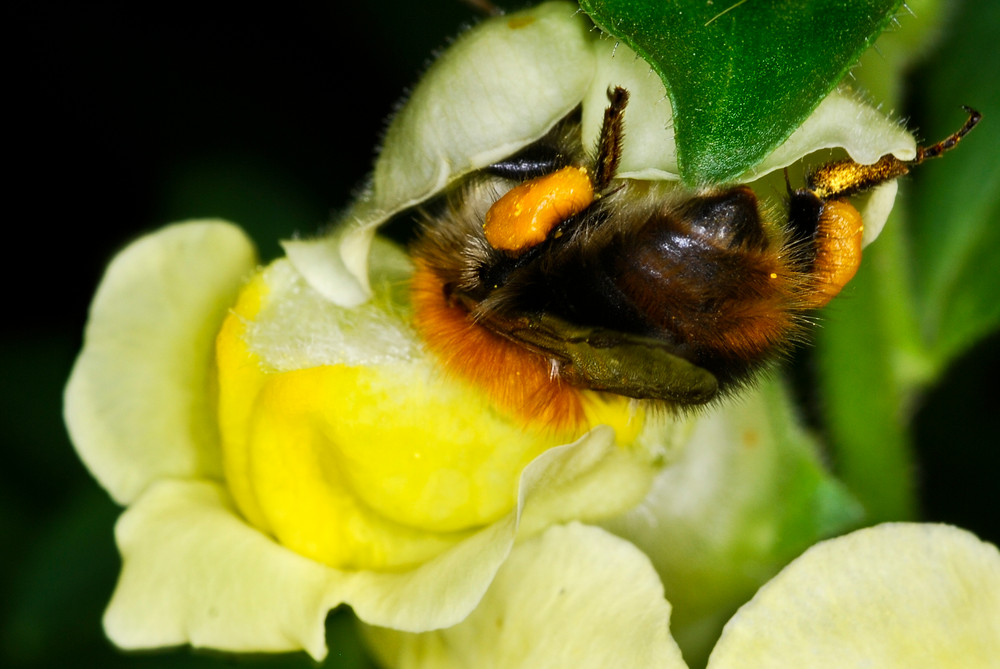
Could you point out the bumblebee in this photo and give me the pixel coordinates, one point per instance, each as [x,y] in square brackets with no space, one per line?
[544,276]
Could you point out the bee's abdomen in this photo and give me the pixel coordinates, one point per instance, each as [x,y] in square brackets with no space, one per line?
[711,281]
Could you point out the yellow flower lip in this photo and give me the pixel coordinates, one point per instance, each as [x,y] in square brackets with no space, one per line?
[353,461]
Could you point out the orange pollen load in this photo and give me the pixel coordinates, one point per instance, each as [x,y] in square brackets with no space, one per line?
[838,250]
[517,381]
[525,215]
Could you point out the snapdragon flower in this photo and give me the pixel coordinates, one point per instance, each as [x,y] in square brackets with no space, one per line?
[281,439]
[267,484]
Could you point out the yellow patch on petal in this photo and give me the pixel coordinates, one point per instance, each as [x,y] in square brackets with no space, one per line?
[375,462]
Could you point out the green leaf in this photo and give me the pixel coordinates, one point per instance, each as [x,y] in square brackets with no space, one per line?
[742,75]
[956,212]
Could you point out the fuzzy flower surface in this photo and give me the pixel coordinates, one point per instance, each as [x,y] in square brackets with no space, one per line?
[282,442]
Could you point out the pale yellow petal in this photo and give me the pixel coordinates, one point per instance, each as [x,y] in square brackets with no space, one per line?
[336,265]
[499,87]
[592,479]
[194,573]
[904,596]
[574,596]
[876,209]
[496,89]
[139,404]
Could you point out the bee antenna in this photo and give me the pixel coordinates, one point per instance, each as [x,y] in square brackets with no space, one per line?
[949,142]
[788,183]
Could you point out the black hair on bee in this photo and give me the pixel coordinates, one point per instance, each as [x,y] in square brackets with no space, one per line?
[545,275]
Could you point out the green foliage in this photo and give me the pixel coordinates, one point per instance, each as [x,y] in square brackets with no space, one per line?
[955,213]
[926,291]
[742,76]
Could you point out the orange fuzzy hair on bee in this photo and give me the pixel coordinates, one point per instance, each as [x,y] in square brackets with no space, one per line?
[545,281]
[516,380]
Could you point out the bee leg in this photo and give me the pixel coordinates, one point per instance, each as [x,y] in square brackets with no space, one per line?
[844,178]
[609,147]
[837,228]
[949,142]
[524,216]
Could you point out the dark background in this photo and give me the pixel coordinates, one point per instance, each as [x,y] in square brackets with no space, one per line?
[124,118]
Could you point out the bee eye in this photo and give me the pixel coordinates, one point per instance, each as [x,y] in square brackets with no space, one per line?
[549,154]
[527,213]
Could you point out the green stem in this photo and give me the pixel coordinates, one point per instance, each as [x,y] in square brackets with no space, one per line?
[871,365]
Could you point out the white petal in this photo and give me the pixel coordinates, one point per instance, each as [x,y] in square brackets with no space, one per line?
[336,266]
[195,573]
[897,595]
[876,209]
[138,403]
[842,121]
[572,597]
[498,88]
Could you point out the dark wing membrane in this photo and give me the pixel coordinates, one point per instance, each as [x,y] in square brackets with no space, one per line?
[608,360]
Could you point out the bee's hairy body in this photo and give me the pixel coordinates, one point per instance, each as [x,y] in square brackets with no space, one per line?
[639,289]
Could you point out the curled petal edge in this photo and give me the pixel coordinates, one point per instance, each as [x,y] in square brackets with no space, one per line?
[572,596]
[138,404]
[220,583]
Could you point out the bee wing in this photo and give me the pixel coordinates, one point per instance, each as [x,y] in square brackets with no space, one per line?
[611,361]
